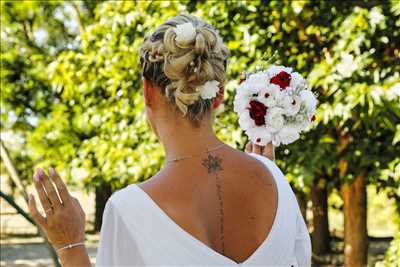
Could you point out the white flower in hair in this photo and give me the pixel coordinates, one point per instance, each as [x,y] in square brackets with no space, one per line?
[209,89]
[185,33]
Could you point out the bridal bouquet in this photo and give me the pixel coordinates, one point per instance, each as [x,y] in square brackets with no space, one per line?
[274,105]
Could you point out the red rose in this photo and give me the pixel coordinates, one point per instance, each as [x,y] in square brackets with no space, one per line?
[282,79]
[257,112]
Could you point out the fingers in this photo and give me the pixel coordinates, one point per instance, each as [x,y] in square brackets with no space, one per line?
[61,187]
[37,217]
[257,149]
[253,148]
[268,151]
[44,200]
[249,147]
[50,189]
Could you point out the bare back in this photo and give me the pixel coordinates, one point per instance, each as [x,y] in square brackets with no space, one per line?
[226,199]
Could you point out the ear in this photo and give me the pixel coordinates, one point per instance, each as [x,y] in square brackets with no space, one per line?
[219,98]
[148,92]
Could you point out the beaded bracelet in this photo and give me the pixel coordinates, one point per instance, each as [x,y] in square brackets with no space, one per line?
[71,246]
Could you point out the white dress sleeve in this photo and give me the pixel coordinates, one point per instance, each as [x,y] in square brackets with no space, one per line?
[302,242]
[116,246]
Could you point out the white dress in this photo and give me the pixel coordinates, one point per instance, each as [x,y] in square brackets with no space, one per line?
[137,232]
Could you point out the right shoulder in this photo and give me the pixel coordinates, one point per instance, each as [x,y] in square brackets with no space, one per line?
[130,206]
[124,198]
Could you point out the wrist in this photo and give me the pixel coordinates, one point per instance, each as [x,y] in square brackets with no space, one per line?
[70,247]
[66,255]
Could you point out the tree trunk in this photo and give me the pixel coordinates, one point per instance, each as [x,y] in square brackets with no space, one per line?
[10,200]
[320,234]
[355,222]
[10,166]
[103,192]
[12,170]
[302,200]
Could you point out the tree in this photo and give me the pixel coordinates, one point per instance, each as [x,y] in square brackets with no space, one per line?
[360,79]
[84,93]
[99,126]
[32,34]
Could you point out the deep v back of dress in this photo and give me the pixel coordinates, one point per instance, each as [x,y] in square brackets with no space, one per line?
[249,235]
[228,202]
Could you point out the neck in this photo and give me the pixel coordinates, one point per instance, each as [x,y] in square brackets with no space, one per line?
[184,140]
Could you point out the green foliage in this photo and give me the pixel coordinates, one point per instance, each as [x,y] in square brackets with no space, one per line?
[101,103]
[392,255]
[78,89]
[359,81]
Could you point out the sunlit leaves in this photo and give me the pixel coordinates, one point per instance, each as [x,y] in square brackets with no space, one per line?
[84,86]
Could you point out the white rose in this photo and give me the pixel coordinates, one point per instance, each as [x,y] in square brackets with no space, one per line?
[249,88]
[309,100]
[243,95]
[259,78]
[259,135]
[245,121]
[286,135]
[240,104]
[274,119]
[185,33]
[209,89]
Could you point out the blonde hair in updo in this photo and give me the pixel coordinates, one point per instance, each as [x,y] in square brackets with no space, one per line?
[180,69]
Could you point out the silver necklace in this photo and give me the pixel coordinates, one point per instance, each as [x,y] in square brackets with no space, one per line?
[208,150]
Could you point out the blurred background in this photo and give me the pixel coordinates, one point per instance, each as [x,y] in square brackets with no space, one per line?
[71,96]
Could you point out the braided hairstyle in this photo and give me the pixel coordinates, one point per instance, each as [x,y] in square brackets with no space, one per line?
[180,69]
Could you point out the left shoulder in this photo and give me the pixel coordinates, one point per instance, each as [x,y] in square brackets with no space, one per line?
[285,190]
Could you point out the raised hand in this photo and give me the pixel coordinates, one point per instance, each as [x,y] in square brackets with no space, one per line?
[266,151]
[64,219]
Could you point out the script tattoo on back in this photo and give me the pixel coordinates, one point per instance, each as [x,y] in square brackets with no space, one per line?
[213,166]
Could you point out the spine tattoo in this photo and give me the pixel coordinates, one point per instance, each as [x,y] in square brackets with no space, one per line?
[213,165]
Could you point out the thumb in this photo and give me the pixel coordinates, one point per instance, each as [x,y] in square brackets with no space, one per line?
[248,147]
[37,217]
